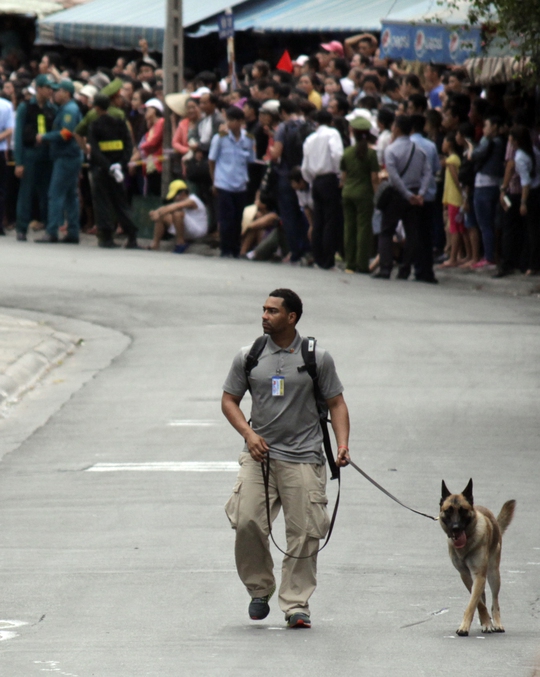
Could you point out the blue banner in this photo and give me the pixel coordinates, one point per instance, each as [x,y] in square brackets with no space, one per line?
[428,42]
[226,26]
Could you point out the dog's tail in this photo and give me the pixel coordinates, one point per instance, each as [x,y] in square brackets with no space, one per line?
[505,516]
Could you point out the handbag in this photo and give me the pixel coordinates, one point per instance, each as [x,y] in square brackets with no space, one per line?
[386,193]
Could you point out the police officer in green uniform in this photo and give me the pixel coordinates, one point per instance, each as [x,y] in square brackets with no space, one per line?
[111,147]
[67,160]
[33,165]
[112,91]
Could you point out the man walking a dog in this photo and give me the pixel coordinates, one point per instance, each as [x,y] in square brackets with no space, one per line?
[285,439]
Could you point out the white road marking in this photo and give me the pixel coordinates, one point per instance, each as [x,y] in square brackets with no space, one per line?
[167,466]
[202,423]
[6,629]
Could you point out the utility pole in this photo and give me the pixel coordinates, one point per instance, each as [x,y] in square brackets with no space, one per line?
[173,75]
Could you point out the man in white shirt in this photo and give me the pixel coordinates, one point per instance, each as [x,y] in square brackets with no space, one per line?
[7,123]
[185,216]
[323,151]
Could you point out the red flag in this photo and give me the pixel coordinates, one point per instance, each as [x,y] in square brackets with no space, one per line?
[285,63]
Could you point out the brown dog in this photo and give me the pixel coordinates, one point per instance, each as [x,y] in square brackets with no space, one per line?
[474,544]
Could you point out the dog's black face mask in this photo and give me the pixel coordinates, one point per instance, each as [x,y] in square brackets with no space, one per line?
[456,514]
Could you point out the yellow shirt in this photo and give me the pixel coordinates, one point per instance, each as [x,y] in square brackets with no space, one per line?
[452,192]
[315,99]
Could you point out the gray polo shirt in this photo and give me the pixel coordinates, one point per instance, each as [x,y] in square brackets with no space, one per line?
[289,423]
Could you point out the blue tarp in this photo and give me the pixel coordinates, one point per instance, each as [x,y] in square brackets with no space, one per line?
[429,42]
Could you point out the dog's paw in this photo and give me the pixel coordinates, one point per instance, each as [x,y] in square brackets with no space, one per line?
[487,627]
[462,632]
[498,628]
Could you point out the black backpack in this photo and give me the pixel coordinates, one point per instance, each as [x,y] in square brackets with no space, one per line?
[296,132]
[310,365]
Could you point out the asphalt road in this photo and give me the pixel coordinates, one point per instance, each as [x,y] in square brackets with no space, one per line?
[130,573]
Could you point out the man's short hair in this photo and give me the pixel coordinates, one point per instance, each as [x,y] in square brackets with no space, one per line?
[289,106]
[418,122]
[390,86]
[291,301]
[374,79]
[323,117]
[386,117]
[295,174]
[341,65]
[102,102]
[342,103]
[234,113]
[404,124]
[413,80]
[253,104]
[419,102]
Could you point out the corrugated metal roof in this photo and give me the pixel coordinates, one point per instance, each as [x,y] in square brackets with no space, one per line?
[121,23]
[312,15]
[146,13]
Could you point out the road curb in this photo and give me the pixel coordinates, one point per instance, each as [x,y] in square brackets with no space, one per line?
[24,373]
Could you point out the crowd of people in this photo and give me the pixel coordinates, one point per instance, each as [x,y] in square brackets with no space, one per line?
[341,156]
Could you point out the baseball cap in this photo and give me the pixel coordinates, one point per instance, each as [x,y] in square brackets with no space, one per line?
[66,85]
[199,92]
[154,103]
[333,46]
[175,187]
[44,81]
[271,106]
[88,90]
[301,60]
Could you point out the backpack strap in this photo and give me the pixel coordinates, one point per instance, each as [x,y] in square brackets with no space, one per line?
[252,358]
[310,365]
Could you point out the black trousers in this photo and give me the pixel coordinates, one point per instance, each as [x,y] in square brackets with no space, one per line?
[399,210]
[327,237]
[512,236]
[533,229]
[111,206]
[423,263]
[230,211]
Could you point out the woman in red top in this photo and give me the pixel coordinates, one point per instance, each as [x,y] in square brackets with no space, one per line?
[151,146]
[187,128]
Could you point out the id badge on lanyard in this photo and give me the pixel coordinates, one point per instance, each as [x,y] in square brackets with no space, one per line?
[278,386]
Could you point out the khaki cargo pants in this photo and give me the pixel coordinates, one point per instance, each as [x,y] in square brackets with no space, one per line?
[298,488]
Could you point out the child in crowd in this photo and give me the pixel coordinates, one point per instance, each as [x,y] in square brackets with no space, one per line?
[452,201]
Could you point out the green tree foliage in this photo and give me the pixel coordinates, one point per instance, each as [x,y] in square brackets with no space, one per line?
[515,22]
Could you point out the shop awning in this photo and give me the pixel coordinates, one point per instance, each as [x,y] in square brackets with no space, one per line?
[120,24]
[37,8]
[314,16]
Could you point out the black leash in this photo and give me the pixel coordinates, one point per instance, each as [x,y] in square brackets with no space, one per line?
[265,466]
[376,484]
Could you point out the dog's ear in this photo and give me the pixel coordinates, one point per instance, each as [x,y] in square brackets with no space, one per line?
[467,492]
[444,493]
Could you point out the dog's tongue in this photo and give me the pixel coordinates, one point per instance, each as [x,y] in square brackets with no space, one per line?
[460,541]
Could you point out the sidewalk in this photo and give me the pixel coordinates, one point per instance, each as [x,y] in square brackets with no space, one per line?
[27,351]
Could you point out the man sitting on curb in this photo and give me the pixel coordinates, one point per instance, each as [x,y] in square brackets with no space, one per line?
[185,215]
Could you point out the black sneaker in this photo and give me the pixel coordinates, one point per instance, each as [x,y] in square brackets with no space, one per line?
[259,607]
[21,237]
[69,239]
[299,620]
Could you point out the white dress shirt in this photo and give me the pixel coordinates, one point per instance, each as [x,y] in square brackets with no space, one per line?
[323,151]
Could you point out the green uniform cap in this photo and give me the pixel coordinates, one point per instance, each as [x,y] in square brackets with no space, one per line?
[112,88]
